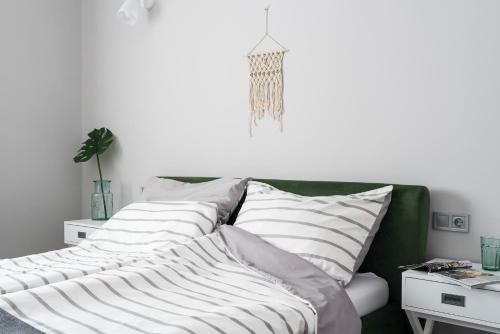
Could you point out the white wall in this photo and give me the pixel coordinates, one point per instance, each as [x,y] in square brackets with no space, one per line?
[393,91]
[40,120]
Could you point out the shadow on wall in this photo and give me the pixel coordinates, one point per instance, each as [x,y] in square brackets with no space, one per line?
[155,12]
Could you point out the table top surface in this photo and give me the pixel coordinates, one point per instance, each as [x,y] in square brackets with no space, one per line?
[86,222]
[420,274]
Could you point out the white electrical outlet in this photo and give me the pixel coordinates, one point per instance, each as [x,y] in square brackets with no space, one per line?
[454,222]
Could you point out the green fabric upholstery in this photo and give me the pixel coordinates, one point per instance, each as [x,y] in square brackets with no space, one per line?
[401,239]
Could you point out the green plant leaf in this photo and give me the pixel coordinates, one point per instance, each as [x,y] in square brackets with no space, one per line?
[98,142]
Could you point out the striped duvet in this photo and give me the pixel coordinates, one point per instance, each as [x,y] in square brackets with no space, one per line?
[138,231]
[191,288]
[154,269]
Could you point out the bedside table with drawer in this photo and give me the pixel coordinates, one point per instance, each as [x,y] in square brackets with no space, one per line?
[435,299]
[76,231]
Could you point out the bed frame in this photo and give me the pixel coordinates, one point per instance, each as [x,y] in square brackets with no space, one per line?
[402,239]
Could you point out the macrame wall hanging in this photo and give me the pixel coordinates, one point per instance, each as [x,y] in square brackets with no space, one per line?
[266,80]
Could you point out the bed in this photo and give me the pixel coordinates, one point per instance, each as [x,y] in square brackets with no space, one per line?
[139,280]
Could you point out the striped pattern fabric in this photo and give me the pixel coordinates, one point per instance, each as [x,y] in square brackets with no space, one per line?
[190,288]
[332,232]
[143,227]
[138,231]
[45,268]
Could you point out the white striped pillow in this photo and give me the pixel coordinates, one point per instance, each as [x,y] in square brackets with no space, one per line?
[141,227]
[332,232]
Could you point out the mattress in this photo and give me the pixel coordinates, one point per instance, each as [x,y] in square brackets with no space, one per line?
[368,292]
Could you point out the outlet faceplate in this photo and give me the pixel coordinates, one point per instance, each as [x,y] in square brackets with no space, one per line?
[455,222]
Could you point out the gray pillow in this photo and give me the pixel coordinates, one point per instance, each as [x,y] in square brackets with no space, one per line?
[224,192]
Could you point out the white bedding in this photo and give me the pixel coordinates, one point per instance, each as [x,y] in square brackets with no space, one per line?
[144,227]
[153,269]
[140,230]
[332,232]
[368,292]
[192,288]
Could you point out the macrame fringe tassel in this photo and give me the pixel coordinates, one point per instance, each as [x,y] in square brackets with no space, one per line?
[266,87]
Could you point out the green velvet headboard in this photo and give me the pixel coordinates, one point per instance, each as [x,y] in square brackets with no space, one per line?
[402,237]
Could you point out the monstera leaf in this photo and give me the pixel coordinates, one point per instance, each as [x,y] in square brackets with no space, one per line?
[98,142]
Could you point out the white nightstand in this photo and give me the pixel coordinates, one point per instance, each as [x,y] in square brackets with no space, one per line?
[434,299]
[77,230]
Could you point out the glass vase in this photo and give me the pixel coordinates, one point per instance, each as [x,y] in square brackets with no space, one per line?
[97,203]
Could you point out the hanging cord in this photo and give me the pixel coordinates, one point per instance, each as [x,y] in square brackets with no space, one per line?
[267,35]
[267,18]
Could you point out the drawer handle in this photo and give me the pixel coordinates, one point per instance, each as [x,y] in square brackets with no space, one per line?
[82,235]
[455,300]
